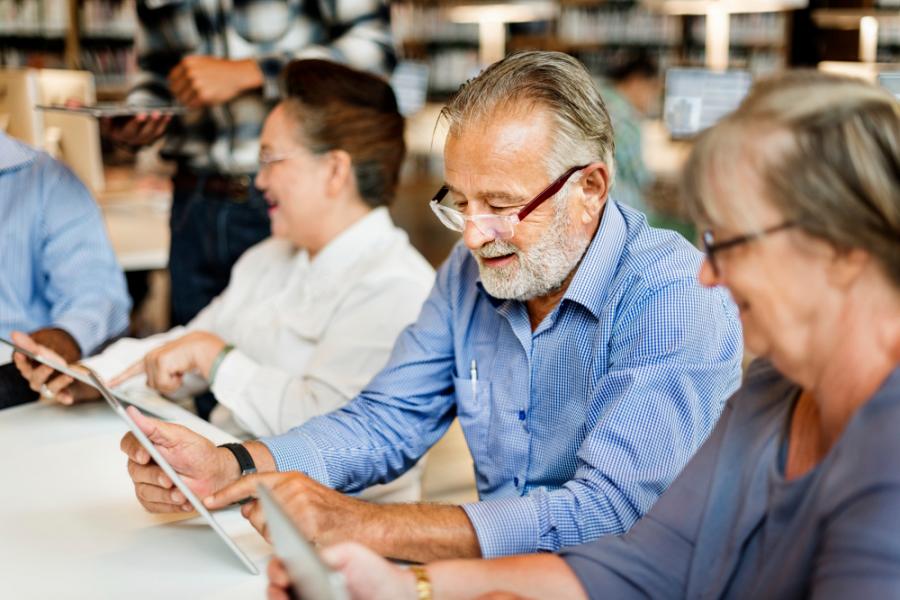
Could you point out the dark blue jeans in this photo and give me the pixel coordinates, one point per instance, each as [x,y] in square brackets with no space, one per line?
[209,234]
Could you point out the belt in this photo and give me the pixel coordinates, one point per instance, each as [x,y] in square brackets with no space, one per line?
[234,188]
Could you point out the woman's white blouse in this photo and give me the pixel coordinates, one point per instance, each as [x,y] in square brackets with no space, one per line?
[308,333]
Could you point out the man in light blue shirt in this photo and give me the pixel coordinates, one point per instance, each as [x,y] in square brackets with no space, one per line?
[572,341]
[59,279]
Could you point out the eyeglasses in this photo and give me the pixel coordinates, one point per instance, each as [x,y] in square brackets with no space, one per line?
[266,161]
[500,227]
[712,247]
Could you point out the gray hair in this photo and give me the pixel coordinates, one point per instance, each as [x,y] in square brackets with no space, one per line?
[555,81]
[826,151]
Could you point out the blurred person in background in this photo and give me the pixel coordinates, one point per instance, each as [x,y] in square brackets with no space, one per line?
[59,278]
[632,90]
[224,66]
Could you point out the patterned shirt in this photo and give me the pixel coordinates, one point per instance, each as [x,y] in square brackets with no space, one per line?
[575,428]
[225,138]
[57,268]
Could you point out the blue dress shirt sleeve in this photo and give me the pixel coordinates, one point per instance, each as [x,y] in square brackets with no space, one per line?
[80,277]
[667,362]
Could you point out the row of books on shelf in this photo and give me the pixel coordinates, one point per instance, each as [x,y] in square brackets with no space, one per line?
[751,29]
[421,23]
[452,66]
[611,25]
[109,18]
[111,67]
[50,18]
[34,17]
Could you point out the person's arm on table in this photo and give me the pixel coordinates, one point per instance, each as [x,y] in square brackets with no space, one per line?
[418,532]
[370,577]
[204,467]
[652,560]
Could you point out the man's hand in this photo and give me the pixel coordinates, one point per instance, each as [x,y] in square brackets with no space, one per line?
[368,576]
[166,366]
[322,514]
[203,467]
[44,380]
[201,81]
[59,341]
[141,130]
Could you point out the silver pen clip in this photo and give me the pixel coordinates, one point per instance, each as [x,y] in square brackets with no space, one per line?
[473,376]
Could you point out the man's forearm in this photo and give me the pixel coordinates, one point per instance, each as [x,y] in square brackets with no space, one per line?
[530,576]
[262,458]
[418,532]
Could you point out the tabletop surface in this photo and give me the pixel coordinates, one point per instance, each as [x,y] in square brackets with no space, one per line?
[70,526]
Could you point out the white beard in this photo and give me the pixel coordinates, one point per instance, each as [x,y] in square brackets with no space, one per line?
[537,271]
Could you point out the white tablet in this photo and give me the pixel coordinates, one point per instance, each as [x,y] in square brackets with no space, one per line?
[154,408]
[311,578]
[112,110]
[114,403]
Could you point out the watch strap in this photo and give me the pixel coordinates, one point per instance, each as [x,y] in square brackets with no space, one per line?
[243,457]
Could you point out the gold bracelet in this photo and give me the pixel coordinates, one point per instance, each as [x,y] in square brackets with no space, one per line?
[423,582]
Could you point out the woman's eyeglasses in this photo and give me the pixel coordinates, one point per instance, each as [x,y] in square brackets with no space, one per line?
[712,247]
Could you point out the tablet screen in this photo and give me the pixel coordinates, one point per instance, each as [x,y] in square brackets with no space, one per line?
[170,472]
[115,110]
[311,578]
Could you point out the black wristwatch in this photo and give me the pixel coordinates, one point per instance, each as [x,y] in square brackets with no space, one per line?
[244,460]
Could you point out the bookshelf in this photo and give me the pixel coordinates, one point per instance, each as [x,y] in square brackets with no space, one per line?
[96,35]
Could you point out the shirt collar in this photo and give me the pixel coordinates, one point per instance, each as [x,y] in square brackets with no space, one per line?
[13,153]
[598,266]
[600,262]
[344,250]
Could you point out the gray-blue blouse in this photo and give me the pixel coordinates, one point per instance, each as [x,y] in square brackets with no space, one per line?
[732,526]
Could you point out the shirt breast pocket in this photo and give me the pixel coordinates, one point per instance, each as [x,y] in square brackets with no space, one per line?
[473,408]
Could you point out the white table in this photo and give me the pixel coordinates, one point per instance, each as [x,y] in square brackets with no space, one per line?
[70,526]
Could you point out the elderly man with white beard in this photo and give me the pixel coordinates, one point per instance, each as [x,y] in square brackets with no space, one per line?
[573,342]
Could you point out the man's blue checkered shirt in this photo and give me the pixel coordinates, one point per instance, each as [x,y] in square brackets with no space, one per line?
[575,428]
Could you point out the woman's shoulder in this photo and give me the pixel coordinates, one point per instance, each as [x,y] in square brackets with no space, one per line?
[868,448]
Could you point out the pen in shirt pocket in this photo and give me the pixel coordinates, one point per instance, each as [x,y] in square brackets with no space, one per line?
[473,375]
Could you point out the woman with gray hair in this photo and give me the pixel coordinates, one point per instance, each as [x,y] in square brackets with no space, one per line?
[796,492]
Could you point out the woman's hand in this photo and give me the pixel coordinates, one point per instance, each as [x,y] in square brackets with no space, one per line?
[166,366]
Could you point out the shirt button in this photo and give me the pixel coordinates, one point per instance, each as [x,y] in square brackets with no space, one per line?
[516,481]
[521,415]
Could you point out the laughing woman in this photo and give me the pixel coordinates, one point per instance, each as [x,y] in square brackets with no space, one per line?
[797,491]
[310,314]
